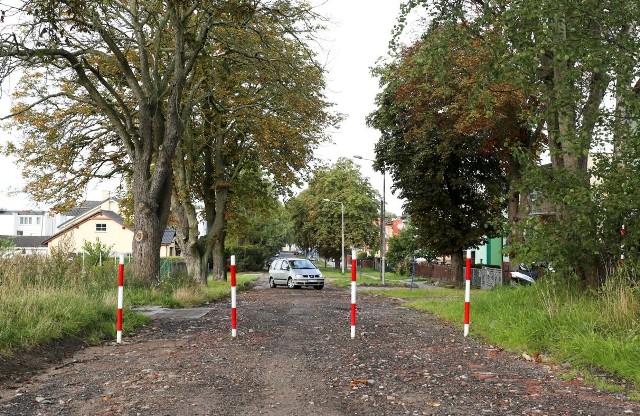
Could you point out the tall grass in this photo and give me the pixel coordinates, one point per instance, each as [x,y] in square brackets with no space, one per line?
[48,298]
[591,330]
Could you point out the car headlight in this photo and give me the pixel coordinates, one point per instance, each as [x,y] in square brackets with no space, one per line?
[298,276]
[320,276]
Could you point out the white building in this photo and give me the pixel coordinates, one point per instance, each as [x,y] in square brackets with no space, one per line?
[26,223]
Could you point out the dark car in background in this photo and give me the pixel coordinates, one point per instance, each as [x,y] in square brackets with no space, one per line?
[270,260]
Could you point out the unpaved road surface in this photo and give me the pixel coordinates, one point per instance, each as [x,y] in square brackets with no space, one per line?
[294,356]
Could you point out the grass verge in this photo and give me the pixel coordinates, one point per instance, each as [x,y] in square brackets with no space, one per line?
[364,277]
[595,333]
[48,299]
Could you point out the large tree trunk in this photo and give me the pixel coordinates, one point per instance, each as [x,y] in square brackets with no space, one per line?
[570,140]
[151,212]
[152,180]
[193,246]
[217,233]
[457,277]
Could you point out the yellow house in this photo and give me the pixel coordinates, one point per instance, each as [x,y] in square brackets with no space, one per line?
[106,226]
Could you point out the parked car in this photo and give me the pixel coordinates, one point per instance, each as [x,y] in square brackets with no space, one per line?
[267,264]
[295,273]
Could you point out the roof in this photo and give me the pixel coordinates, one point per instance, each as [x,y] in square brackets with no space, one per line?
[82,208]
[20,241]
[21,212]
[168,236]
[110,214]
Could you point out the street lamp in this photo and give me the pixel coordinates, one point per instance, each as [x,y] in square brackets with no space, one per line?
[342,221]
[382,222]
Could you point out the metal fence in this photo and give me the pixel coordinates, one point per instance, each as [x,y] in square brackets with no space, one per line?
[485,278]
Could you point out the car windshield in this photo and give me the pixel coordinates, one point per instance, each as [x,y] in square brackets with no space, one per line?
[301,264]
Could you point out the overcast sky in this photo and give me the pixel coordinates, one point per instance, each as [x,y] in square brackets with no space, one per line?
[358,35]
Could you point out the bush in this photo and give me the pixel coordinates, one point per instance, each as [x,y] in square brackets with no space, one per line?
[249,258]
[363,255]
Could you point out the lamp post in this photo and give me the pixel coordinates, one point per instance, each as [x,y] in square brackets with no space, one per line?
[342,261]
[382,222]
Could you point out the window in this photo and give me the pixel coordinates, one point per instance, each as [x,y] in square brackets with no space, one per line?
[101,228]
[26,220]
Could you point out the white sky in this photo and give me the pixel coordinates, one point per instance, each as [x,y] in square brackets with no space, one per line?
[358,34]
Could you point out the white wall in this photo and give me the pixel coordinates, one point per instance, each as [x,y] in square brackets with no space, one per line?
[8,223]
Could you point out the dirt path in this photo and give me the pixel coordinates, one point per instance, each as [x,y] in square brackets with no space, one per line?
[294,356]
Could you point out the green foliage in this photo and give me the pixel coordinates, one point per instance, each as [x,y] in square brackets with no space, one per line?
[249,257]
[404,247]
[96,253]
[566,62]
[6,246]
[447,135]
[258,224]
[362,255]
[318,223]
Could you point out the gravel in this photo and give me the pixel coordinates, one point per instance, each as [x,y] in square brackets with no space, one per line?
[294,356]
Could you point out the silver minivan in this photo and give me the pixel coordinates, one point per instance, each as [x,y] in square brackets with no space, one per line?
[295,273]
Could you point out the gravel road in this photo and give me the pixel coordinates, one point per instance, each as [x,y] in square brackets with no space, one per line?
[294,356]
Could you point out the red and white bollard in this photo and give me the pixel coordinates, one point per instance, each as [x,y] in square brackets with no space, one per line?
[622,245]
[353,293]
[467,294]
[120,299]
[234,330]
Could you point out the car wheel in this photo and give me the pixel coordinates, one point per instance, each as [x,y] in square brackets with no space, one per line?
[319,287]
[272,284]
[290,284]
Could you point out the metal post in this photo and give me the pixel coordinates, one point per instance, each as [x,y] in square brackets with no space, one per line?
[344,259]
[413,272]
[383,232]
[382,221]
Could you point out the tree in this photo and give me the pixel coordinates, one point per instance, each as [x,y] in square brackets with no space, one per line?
[264,110]
[318,224]
[123,80]
[404,247]
[258,223]
[130,63]
[447,134]
[569,57]
[96,252]
[7,246]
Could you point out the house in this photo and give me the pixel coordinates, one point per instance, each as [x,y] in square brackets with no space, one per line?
[94,221]
[26,223]
[95,225]
[26,244]
[490,253]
